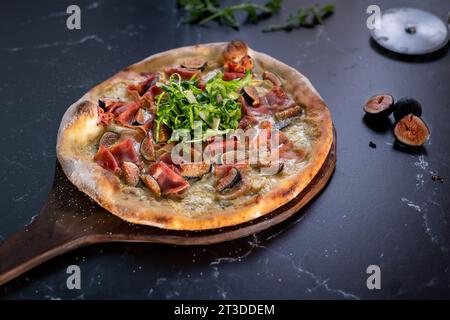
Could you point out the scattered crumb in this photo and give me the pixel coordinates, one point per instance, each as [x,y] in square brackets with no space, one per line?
[437,178]
[372,145]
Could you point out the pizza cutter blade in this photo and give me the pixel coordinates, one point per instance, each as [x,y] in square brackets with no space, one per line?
[411,31]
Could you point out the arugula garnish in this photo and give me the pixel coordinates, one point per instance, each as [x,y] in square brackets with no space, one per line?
[306,18]
[182,105]
[203,11]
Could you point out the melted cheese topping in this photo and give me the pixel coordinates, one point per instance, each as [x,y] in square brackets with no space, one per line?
[201,194]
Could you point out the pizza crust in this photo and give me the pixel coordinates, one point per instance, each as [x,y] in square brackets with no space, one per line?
[79,131]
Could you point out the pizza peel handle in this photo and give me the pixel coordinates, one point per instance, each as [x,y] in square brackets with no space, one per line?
[68,220]
[36,243]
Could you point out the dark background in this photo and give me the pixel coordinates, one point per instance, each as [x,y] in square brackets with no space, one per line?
[381,207]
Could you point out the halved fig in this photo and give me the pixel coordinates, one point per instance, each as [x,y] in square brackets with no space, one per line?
[229,181]
[235,51]
[272,78]
[380,105]
[411,131]
[251,96]
[406,106]
[147,148]
[130,173]
[194,170]
[163,135]
[151,184]
[108,139]
[288,113]
[194,63]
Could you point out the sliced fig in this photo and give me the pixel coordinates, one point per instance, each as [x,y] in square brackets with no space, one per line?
[143,116]
[272,168]
[251,96]
[130,173]
[108,139]
[272,78]
[241,189]
[406,106]
[147,148]
[288,113]
[229,181]
[380,105]
[194,63]
[411,131]
[151,184]
[235,51]
[163,135]
[194,170]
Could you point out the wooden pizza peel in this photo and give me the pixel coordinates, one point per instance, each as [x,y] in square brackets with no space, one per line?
[70,219]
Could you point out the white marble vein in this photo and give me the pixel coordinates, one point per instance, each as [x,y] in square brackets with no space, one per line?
[128,31]
[91,37]
[63,13]
[410,204]
[423,209]
[256,244]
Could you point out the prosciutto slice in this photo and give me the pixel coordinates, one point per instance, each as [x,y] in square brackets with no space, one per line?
[274,101]
[124,151]
[113,157]
[143,86]
[251,111]
[169,181]
[107,110]
[277,96]
[127,113]
[228,76]
[277,100]
[123,113]
[106,160]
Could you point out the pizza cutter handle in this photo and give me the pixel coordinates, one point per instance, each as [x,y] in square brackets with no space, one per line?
[35,244]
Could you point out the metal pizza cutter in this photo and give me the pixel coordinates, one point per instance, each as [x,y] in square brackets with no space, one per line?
[411,31]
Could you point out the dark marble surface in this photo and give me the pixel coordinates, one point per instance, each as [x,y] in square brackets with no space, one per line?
[381,206]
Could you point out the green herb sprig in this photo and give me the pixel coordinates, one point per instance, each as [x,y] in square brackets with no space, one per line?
[305,18]
[204,11]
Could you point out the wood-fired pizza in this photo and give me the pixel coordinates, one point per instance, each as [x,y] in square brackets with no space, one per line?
[195,138]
